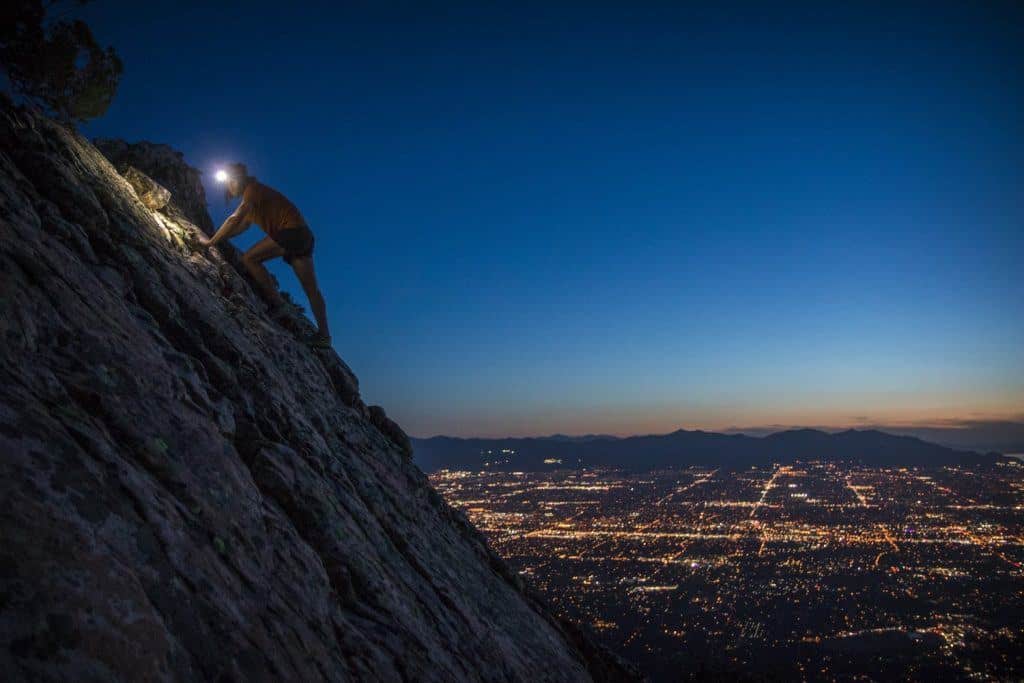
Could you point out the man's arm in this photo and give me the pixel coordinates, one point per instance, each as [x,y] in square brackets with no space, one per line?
[236,224]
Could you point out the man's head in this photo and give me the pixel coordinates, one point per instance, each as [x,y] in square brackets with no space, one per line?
[237,178]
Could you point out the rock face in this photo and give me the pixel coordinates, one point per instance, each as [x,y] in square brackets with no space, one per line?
[189,492]
[167,167]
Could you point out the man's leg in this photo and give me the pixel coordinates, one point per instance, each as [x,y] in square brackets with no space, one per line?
[253,260]
[303,268]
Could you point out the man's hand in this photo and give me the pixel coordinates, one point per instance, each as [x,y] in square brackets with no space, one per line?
[204,242]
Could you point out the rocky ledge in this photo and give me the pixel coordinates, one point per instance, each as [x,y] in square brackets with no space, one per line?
[189,492]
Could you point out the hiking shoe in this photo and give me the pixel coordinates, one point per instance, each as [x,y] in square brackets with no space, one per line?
[320,341]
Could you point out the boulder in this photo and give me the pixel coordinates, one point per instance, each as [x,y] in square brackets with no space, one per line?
[154,195]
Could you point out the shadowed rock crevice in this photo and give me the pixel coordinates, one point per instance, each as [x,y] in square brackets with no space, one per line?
[190,492]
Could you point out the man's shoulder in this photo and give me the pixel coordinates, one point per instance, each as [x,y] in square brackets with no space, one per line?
[253,190]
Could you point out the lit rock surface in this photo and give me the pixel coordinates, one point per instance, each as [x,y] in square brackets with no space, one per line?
[154,195]
[189,492]
[167,167]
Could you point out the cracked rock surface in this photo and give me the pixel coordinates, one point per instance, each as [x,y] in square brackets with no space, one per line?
[190,493]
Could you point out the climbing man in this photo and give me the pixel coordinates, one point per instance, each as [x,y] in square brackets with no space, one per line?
[287,236]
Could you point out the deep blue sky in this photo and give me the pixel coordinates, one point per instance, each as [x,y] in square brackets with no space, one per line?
[625,217]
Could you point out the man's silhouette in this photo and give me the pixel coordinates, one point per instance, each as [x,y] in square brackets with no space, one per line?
[287,236]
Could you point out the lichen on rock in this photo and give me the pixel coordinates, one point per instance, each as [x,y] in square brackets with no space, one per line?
[189,492]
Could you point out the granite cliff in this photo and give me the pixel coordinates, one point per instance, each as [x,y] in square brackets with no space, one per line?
[187,491]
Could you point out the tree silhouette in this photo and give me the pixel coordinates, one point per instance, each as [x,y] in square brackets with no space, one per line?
[56,63]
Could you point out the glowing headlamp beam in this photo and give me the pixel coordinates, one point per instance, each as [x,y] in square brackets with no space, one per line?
[221,176]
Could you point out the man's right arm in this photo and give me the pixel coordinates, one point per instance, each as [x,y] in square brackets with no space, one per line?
[234,225]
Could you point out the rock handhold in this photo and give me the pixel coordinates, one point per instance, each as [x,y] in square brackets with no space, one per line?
[154,195]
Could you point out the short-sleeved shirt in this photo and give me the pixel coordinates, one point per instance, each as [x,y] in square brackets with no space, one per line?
[270,209]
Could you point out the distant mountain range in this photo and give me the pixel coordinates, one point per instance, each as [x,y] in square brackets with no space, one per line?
[685,448]
[999,436]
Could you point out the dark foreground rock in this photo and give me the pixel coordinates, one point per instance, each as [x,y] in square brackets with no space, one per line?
[187,492]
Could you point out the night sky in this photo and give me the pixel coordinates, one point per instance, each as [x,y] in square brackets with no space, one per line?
[625,217]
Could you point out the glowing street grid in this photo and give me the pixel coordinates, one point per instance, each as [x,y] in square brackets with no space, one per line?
[810,571]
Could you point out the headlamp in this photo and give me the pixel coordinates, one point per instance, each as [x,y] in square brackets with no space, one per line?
[221,176]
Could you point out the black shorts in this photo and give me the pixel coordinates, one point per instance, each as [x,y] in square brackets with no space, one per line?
[296,242]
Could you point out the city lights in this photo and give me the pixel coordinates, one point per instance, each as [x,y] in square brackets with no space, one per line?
[810,568]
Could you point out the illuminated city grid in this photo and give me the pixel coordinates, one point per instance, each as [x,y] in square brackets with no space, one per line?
[810,571]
